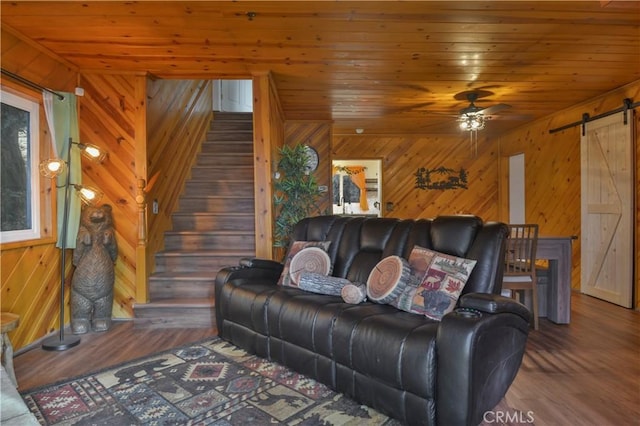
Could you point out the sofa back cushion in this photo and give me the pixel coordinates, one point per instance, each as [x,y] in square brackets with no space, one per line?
[359,243]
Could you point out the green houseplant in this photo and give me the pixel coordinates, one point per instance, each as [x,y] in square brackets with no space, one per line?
[295,195]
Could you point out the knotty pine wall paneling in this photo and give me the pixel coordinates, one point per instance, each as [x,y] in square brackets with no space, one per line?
[108,112]
[30,270]
[402,156]
[179,114]
[268,137]
[552,171]
[316,134]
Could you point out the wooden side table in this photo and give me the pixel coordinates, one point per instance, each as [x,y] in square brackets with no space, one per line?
[9,323]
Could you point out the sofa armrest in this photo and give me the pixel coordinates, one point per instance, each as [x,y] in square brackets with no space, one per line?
[249,268]
[480,348]
[247,271]
[254,262]
[493,304]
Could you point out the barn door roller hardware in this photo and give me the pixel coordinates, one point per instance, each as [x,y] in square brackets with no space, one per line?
[627,104]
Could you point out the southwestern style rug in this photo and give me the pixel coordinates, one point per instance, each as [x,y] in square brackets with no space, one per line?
[204,383]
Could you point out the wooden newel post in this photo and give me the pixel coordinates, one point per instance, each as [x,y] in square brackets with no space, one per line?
[142,213]
[142,293]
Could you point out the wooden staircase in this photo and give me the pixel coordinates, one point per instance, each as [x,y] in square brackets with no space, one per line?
[213,227]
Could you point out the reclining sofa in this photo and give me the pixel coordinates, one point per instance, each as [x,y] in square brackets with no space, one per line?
[415,369]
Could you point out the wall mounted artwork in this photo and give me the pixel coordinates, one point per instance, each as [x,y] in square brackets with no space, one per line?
[441,178]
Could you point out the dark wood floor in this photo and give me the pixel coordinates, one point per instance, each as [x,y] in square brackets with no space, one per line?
[584,373]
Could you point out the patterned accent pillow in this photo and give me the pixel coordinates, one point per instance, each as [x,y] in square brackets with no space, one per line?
[297,246]
[443,278]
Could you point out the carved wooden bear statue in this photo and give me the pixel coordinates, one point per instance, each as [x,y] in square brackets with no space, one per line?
[92,282]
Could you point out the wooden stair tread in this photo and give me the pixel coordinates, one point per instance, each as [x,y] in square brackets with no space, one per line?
[226,253]
[184,276]
[199,180]
[205,214]
[221,197]
[200,302]
[222,232]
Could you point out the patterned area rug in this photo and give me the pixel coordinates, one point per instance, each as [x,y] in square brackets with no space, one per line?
[210,382]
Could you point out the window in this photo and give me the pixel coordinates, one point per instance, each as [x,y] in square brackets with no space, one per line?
[19,180]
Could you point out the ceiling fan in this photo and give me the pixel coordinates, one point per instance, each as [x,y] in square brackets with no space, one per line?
[474,117]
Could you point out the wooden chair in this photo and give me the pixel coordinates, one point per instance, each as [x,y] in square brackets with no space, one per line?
[520,264]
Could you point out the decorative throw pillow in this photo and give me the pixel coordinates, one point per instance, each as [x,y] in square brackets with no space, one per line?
[388,279]
[321,283]
[309,259]
[443,278]
[296,246]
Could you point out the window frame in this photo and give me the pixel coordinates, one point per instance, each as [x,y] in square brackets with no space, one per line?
[26,103]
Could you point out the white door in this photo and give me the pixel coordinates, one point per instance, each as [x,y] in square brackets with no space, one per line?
[607,210]
[234,95]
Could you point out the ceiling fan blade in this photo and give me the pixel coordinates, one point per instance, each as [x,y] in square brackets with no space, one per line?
[494,108]
[522,117]
[415,107]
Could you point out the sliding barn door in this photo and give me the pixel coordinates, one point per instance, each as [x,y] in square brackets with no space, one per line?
[607,210]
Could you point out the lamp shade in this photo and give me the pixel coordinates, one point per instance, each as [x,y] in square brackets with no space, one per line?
[88,195]
[52,168]
[92,152]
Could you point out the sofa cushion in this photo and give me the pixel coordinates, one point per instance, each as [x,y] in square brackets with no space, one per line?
[297,246]
[395,347]
[443,279]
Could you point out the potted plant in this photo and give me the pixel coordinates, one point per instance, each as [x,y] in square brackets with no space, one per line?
[295,195]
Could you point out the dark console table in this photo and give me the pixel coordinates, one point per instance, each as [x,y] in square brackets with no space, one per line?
[557,250]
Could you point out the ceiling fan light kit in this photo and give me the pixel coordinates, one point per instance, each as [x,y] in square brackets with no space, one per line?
[472,122]
[473,117]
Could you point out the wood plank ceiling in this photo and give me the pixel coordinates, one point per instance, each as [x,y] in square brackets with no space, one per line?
[387,67]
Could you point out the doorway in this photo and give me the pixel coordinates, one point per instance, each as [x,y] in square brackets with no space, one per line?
[356,187]
[233,95]
[516,189]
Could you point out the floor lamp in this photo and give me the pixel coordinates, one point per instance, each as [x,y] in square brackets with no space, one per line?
[51,169]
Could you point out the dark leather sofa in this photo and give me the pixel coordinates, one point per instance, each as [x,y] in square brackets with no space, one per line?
[415,369]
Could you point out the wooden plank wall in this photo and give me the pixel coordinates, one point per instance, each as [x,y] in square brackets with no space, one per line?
[402,156]
[108,120]
[30,271]
[268,137]
[179,114]
[317,135]
[112,115]
[552,170]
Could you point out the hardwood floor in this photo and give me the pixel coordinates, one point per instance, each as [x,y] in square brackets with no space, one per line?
[96,351]
[584,373]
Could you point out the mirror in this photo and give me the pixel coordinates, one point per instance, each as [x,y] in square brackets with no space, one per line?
[356,187]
